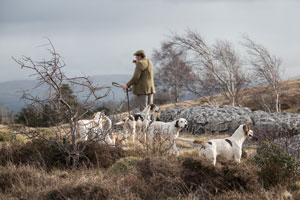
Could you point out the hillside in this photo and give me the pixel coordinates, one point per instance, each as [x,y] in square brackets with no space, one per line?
[10,95]
[37,169]
[289,100]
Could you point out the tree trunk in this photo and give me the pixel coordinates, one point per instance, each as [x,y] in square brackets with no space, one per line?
[277,103]
[74,154]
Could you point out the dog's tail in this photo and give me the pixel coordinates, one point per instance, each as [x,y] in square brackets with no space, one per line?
[190,140]
[185,139]
[119,123]
[198,142]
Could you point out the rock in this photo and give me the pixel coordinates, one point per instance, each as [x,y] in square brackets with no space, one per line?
[293,145]
[225,119]
[209,119]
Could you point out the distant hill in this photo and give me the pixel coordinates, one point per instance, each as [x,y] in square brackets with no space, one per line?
[10,97]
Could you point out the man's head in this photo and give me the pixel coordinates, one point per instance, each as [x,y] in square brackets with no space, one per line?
[139,54]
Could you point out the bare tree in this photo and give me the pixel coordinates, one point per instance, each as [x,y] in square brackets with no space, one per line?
[50,73]
[173,72]
[267,68]
[220,64]
[203,84]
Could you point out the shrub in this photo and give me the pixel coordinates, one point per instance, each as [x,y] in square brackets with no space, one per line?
[160,178]
[229,176]
[77,192]
[276,166]
[101,155]
[30,117]
[17,180]
[124,165]
[141,178]
[47,155]
[169,177]
[38,153]
[7,136]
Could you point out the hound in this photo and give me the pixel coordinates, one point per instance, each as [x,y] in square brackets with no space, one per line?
[230,148]
[140,121]
[169,130]
[96,128]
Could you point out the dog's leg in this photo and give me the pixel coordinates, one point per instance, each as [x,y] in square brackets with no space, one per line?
[144,131]
[238,160]
[214,160]
[108,140]
[151,137]
[133,132]
[174,148]
[237,156]
[125,133]
[211,155]
[145,137]
[208,153]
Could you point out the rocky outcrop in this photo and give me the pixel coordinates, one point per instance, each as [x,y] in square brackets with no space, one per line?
[225,119]
[292,145]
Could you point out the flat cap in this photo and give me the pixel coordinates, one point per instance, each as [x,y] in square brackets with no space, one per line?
[139,52]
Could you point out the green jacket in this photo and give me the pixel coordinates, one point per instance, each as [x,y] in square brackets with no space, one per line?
[142,79]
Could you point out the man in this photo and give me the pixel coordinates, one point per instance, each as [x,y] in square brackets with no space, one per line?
[142,80]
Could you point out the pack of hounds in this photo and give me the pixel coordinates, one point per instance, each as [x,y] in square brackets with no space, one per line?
[148,125]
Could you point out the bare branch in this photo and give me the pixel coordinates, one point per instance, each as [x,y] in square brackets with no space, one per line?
[267,68]
[60,105]
[221,63]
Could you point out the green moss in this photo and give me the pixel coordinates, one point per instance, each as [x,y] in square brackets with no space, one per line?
[7,136]
[124,165]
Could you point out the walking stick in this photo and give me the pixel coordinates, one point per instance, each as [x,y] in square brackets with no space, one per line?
[127,94]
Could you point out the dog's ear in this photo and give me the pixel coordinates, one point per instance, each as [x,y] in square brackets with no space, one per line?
[152,106]
[246,128]
[131,117]
[177,125]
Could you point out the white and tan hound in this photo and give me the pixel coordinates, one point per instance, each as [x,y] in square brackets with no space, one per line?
[230,148]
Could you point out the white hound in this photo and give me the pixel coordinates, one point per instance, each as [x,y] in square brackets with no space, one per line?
[230,148]
[96,128]
[140,121]
[168,130]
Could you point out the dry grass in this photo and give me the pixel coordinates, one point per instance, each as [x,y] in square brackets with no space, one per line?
[141,175]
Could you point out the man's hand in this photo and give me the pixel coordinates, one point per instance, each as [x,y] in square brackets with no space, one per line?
[125,87]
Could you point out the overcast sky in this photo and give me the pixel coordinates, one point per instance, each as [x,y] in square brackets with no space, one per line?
[100,36]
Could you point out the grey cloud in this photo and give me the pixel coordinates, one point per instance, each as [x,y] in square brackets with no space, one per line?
[99,37]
